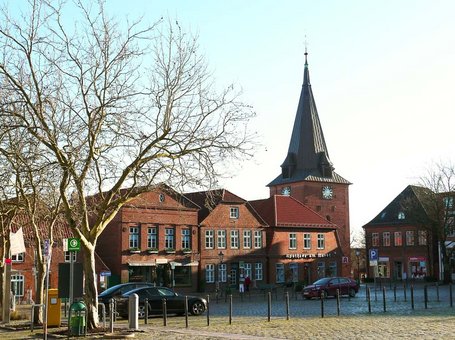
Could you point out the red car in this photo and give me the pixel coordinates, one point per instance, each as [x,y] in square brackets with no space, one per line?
[328,286]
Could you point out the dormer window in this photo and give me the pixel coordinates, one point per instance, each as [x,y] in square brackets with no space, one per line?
[401,215]
[234,213]
[383,215]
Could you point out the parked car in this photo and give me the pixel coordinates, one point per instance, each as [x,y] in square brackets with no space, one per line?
[328,286]
[120,289]
[175,303]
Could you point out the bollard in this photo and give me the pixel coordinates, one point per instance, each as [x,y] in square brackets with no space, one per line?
[164,313]
[404,291]
[230,309]
[425,294]
[375,294]
[383,299]
[32,315]
[395,293]
[287,306]
[437,291]
[133,312]
[208,310]
[269,305]
[111,316]
[146,311]
[450,294]
[412,296]
[338,302]
[366,290]
[369,300]
[322,305]
[186,310]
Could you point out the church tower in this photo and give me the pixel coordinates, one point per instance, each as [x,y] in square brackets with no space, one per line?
[308,175]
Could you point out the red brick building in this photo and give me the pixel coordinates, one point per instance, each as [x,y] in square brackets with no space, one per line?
[232,240]
[308,175]
[405,250]
[153,238]
[302,246]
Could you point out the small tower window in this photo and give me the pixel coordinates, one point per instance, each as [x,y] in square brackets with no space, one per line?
[401,215]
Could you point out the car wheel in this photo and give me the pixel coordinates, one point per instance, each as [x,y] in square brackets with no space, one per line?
[351,292]
[197,308]
[141,311]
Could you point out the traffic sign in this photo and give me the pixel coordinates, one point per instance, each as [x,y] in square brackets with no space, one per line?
[374,255]
[74,244]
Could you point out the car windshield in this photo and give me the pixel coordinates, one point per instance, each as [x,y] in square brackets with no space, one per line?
[322,281]
[109,290]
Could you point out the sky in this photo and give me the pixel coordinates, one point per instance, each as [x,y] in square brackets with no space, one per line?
[382,74]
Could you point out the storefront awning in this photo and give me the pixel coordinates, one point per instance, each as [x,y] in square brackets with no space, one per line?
[141,263]
[161,261]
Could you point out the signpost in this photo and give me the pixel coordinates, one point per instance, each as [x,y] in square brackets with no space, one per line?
[374,257]
[71,245]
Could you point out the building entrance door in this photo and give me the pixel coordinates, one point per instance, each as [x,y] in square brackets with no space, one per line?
[398,270]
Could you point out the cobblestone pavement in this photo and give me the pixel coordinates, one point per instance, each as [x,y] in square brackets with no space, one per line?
[249,320]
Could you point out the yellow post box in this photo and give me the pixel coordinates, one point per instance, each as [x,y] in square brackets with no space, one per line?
[54,313]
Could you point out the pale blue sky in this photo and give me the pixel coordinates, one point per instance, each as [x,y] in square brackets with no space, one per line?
[382,74]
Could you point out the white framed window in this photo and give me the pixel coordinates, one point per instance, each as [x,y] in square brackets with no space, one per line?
[279,269]
[209,239]
[17,284]
[397,239]
[409,237]
[18,257]
[306,241]
[422,238]
[248,270]
[169,242]
[221,239]
[401,215]
[210,273]
[152,237]
[223,272]
[247,239]
[257,239]
[375,239]
[234,212]
[134,237]
[321,241]
[68,256]
[234,239]
[186,238]
[258,272]
[292,241]
[386,239]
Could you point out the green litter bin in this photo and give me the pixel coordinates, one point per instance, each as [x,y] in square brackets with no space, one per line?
[77,315]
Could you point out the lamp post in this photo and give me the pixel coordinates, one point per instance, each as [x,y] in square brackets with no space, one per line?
[357,253]
[220,257]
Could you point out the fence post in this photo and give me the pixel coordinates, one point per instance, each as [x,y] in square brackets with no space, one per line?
[369,299]
[164,313]
[437,291]
[287,305]
[404,291]
[425,294]
[269,305]
[208,310]
[383,299]
[395,293]
[412,296]
[186,311]
[450,294]
[230,309]
[322,305]
[146,311]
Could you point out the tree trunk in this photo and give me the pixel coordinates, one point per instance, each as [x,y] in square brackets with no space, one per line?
[38,314]
[91,289]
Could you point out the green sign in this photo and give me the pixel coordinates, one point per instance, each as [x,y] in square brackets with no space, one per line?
[74,244]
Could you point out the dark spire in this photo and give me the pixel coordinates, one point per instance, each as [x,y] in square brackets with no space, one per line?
[307,152]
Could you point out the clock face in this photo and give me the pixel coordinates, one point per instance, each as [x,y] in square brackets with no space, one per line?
[286,191]
[327,192]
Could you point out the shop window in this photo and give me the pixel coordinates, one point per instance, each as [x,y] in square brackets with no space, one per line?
[182,276]
[294,270]
[279,273]
[258,272]
[222,272]
[210,273]
[332,269]
[321,269]
[383,269]
[247,270]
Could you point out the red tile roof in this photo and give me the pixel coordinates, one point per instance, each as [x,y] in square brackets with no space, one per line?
[281,211]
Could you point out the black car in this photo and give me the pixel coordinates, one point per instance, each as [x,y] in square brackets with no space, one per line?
[328,286]
[175,303]
[120,289]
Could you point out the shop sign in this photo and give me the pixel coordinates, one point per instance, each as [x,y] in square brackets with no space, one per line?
[417,259]
[307,256]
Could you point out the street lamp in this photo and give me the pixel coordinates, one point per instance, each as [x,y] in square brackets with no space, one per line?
[357,253]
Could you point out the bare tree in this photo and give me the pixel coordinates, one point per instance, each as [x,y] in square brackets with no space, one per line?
[433,210]
[121,109]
